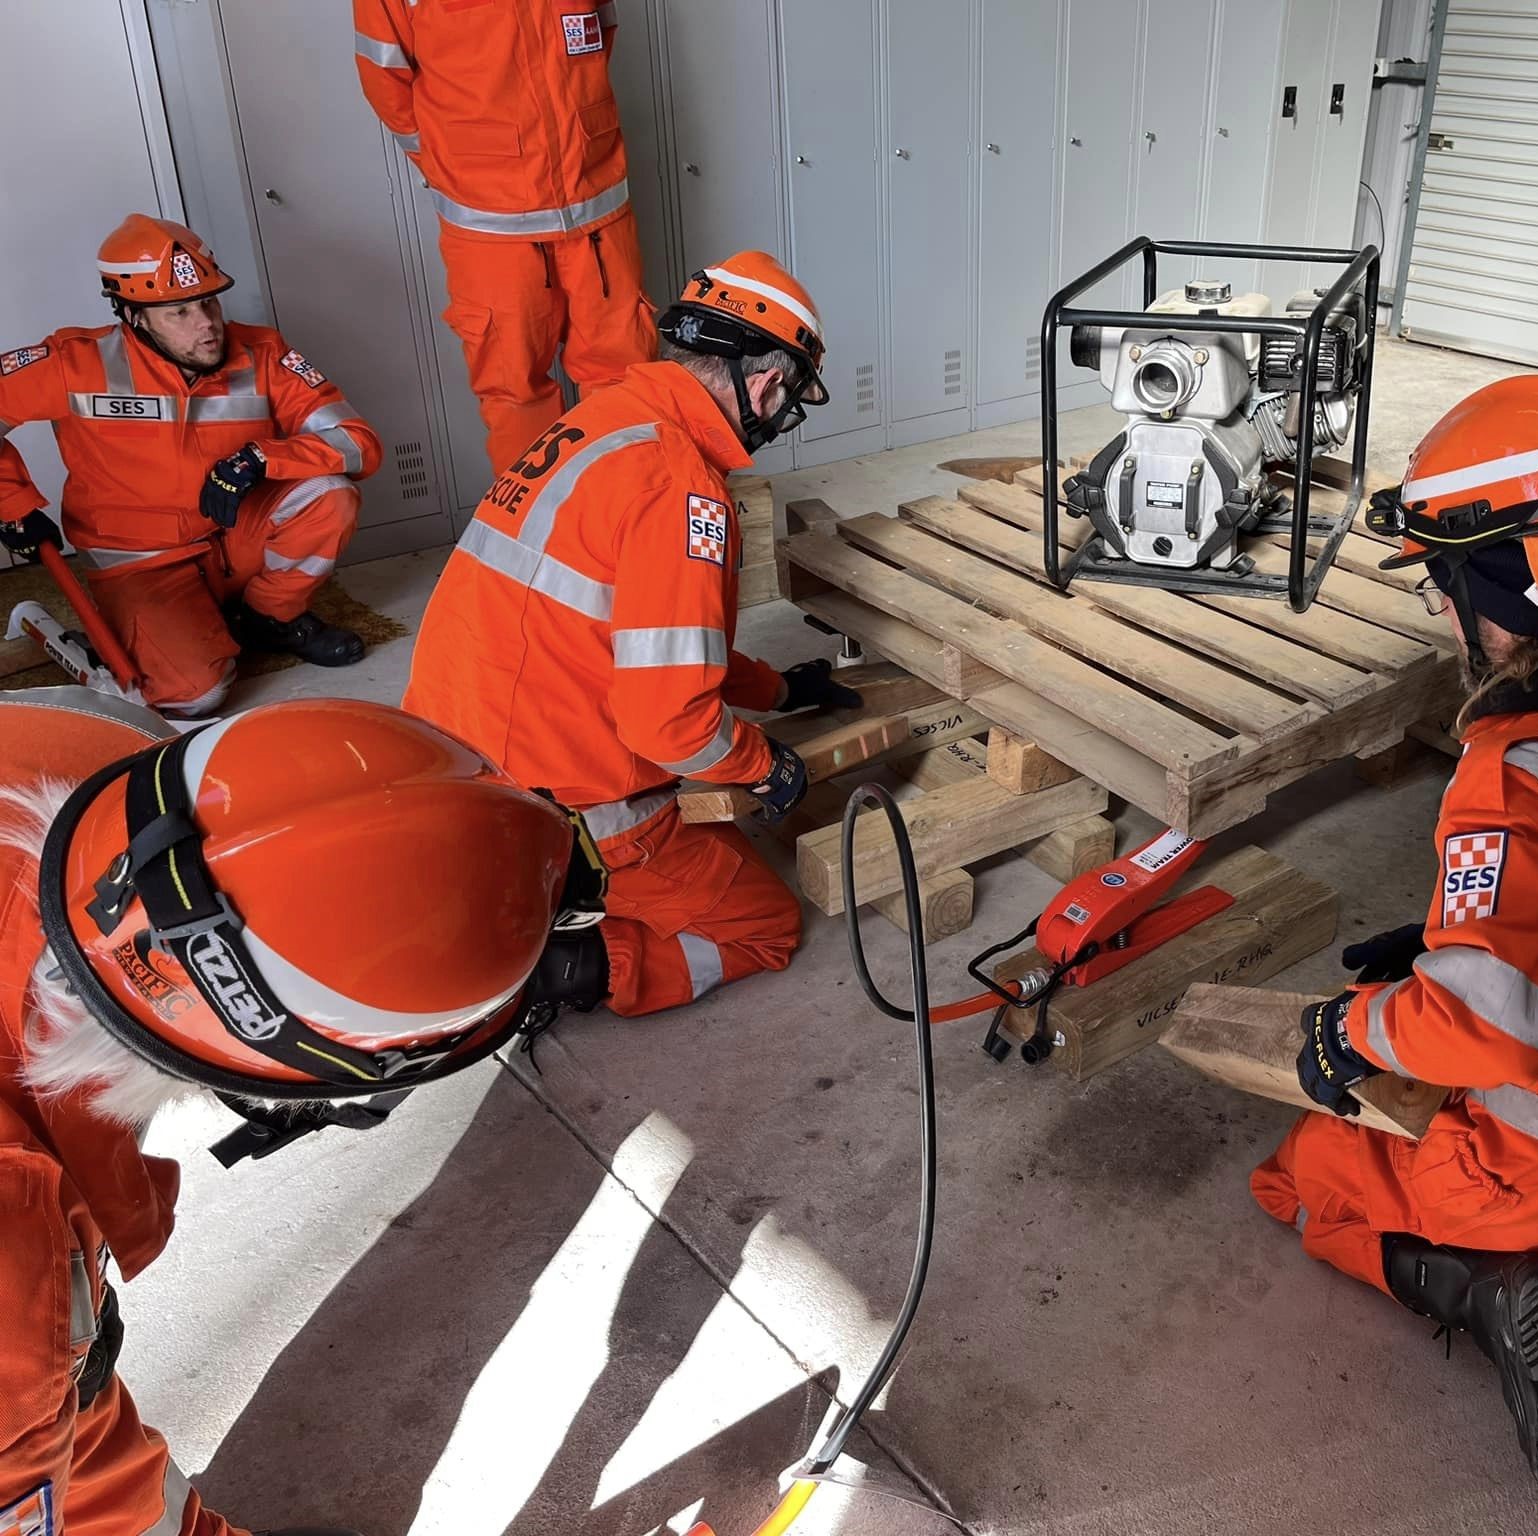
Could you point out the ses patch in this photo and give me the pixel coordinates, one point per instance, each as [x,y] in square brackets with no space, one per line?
[22,357]
[296,362]
[583,33]
[707,530]
[1471,876]
[30,1515]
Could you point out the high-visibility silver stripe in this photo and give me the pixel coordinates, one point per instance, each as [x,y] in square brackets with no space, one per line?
[83,403]
[175,1490]
[1500,994]
[324,416]
[113,348]
[553,495]
[1524,756]
[385,55]
[616,816]
[713,751]
[308,565]
[678,645]
[498,552]
[410,142]
[704,962]
[207,701]
[1516,1106]
[1301,1220]
[346,445]
[82,1306]
[240,381]
[229,408]
[1377,1036]
[103,559]
[807,317]
[1489,472]
[306,492]
[543,221]
[134,268]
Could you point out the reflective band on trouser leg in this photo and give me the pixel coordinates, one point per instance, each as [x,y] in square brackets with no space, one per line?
[176,1491]
[704,962]
[287,541]
[307,565]
[542,221]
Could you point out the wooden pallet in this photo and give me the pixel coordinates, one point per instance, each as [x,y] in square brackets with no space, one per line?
[1194,708]
[976,800]
[1279,916]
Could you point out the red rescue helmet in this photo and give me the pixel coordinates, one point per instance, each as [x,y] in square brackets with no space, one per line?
[745,307]
[155,261]
[314,899]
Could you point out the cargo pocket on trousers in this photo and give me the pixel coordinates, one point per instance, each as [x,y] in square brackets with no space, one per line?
[1456,1194]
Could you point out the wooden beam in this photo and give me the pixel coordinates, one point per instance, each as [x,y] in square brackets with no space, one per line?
[1000,468]
[1397,763]
[959,762]
[1249,1038]
[948,828]
[1020,766]
[1279,916]
[1073,851]
[934,717]
[834,752]
[945,901]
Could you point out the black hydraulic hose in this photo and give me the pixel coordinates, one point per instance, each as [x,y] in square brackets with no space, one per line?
[874,794]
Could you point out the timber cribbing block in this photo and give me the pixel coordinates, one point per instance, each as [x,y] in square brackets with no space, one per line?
[948,827]
[1279,916]
[1249,1038]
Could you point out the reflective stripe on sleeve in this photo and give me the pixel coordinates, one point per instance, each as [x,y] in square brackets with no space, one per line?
[1377,1037]
[677,645]
[1498,993]
[345,444]
[385,55]
[712,752]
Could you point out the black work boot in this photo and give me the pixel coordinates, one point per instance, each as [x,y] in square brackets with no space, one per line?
[1494,1296]
[308,637]
[573,972]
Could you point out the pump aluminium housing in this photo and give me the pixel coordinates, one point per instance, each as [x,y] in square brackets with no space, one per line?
[1249,390]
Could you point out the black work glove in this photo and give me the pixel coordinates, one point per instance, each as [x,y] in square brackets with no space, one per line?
[1328,1068]
[783,788]
[1387,956]
[227,484]
[809,684]
[26,537]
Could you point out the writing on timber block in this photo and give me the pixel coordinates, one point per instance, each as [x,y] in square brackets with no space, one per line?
[1021,766]
[835,751]
[1248,1038]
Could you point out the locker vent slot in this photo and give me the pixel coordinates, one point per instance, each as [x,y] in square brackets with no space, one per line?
[411,468]
[1033,361]
[953,373]
[865,388]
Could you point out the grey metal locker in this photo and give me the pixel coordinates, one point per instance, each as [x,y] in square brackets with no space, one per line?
[326,215]
[1296,106]
[1014,204]
[830,155]
[1099,98]
[1470,280]
[1244,92]
[1170,150]
[725,161]
[929,61]
[1343,128]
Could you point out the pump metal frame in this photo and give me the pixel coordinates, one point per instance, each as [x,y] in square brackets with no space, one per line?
[1301,584]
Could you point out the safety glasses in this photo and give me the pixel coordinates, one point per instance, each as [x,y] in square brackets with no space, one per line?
[1434,598]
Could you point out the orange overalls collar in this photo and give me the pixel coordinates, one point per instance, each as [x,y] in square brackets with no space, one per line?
[168,378]
[681,399]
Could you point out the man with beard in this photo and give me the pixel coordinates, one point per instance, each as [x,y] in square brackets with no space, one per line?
[1448,1225]
[211,470]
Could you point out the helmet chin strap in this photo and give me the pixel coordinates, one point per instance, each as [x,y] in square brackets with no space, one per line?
[1468,618]
[759,431]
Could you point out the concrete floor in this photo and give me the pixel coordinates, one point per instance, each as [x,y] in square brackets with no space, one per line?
[586,1297]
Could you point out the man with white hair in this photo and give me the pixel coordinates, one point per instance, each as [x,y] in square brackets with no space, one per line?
[196,913]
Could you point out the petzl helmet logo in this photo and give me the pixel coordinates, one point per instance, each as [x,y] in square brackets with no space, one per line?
[231,990]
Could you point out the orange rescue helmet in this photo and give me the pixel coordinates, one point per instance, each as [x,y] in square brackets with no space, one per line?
[317,899]
[155,261]
[745,307]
